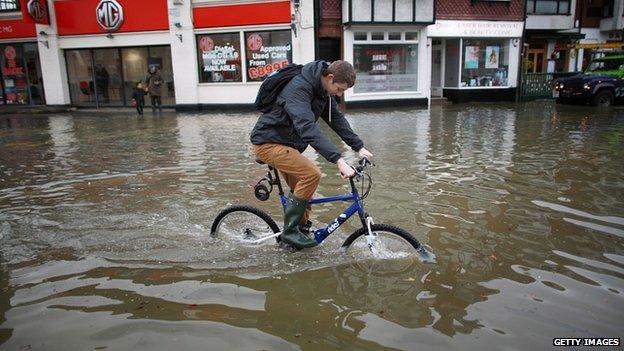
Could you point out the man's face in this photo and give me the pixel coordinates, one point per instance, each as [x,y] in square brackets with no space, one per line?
[333,88]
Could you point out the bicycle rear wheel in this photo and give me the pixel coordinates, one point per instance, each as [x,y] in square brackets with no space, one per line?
[244,224]
[387,242]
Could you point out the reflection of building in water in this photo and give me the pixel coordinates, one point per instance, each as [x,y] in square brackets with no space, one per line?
[62,133]
[192,151]
[423,138]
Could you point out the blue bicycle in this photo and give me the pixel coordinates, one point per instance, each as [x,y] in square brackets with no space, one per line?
[250,225]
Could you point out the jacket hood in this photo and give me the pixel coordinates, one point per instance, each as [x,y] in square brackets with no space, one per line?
[312,73]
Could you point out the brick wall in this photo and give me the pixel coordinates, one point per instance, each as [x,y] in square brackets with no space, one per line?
[480,10]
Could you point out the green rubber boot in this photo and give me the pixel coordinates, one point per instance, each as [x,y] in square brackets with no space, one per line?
[292,216]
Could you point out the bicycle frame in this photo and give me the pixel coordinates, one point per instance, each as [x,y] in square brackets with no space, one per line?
[355,207]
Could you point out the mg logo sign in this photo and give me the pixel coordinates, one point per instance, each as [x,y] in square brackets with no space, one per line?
[109,14]
[36,9]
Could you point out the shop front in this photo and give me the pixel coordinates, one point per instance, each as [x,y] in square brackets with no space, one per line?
[387,43]
[106,76]
[475,60]
[20,73]
[238,45]
[112,49]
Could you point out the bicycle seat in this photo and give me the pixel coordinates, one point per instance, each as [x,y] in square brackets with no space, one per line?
[260,161]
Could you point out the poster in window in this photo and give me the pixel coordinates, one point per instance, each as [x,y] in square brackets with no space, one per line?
[492,56]
[267,52]
[220,57]
[472,57]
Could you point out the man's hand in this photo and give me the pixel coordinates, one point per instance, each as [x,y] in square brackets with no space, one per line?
[346,171]
[365,153]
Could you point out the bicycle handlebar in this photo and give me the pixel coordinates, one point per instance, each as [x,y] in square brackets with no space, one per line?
[363,163]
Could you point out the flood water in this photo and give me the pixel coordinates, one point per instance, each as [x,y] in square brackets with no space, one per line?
[104,224]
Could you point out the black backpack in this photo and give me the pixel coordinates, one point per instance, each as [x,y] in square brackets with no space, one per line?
[273,85]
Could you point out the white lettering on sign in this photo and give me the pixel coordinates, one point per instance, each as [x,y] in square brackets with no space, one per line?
[480,29]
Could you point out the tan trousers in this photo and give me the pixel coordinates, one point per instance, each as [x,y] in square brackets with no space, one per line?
[301,175]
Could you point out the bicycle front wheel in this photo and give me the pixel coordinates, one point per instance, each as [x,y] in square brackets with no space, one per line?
[386,242]
[244,224]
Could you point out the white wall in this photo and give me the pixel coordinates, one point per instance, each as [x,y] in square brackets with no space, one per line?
[52,61]
[183,53]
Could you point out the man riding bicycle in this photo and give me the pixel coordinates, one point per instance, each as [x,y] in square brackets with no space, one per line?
[283,133]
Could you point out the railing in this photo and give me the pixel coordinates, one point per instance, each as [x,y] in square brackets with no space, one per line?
[539,85]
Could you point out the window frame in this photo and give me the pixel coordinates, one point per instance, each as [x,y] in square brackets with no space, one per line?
[533,12]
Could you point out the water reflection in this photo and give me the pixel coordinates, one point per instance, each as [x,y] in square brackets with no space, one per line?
[104,222]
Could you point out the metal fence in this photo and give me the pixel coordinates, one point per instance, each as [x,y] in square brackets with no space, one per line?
[539,85]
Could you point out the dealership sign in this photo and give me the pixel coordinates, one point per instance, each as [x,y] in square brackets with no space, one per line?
[38,10]
[109,14]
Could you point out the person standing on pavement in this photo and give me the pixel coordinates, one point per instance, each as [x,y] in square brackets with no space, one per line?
[154,83]
[138,97]
[282,134]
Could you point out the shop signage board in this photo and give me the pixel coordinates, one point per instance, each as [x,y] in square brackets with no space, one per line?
[35,11]
[476,29]
[14,29]
[103,16]
[241,14]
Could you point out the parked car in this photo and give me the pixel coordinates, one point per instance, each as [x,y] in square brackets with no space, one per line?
[602,84]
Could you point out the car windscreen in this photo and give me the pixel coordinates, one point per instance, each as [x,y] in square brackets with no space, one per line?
[602,65]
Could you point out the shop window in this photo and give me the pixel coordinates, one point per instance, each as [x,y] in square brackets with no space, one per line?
[362,36]
[485,63]
[608,8]
[219,57]
[107,77]
[377,36]
[411,35]
[394,36]
[108,80]
[80,76]
[385,67]
[9,5]
[266,52]
[548,7]
[14,74]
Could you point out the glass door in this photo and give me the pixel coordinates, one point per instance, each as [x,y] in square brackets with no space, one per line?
[80,77]
[108,80]
[134,68]
[160,56]
[31,56]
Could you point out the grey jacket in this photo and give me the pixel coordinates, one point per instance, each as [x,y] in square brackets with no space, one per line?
[292,121]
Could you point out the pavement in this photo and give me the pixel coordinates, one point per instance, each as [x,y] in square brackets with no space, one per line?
[46,109]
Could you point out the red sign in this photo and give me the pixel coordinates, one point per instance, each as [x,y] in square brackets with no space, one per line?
[13,29]
[206,44]
[242,14]
[81,17]
[254,42]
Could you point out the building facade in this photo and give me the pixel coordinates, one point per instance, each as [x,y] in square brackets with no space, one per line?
[94,52]
[476,48]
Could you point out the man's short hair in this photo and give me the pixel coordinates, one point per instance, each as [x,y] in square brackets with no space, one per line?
[343,72]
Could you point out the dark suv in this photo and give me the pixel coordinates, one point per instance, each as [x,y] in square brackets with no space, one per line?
[602,84]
